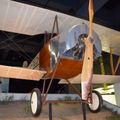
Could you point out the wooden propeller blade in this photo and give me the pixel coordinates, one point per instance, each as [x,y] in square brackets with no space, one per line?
[91,14]
[87,69]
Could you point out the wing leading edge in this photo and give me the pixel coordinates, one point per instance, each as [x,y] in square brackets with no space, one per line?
[20,73]
[97,79]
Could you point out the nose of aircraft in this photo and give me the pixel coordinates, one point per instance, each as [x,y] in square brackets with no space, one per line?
[76,35]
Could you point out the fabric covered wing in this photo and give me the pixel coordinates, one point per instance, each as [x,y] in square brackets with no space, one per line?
[97,79]
[20,73]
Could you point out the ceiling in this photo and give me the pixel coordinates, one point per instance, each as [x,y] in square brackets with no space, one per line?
[23,25]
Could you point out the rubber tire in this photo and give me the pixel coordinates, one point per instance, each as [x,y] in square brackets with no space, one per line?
[39,102]
[98,109]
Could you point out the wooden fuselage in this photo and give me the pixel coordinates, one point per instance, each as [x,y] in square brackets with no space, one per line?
[67,67]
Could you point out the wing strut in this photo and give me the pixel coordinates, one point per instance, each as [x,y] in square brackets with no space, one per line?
[55,24]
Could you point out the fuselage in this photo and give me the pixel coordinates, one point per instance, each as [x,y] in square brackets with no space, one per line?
[66,68]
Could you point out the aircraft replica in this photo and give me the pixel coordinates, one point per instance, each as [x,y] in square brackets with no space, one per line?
[67,52]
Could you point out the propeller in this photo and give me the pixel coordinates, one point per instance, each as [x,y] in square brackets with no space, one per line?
[91,14]
[87,69]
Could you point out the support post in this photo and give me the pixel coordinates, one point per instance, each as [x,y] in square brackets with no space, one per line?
[50,111]
[114,70]
[84,110]
[102,71]
[117,65]
[111,61]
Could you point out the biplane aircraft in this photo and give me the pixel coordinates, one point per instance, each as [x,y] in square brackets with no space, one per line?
[64,53]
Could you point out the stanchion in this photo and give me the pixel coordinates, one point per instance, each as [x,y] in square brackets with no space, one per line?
[50,111]
[84,110]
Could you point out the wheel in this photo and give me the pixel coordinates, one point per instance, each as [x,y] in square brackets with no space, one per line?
[97,102]
[36,102]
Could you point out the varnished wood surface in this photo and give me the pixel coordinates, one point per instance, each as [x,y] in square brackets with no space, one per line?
[87,70]
[67,68]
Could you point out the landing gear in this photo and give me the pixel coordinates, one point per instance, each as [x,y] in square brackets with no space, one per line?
[36,102]
[97,102]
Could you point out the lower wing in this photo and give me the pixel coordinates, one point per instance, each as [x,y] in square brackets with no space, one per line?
[97,79]
[20,73]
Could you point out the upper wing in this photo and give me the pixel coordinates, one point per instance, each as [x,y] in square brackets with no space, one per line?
[30,22]
[20,73]
[97,79]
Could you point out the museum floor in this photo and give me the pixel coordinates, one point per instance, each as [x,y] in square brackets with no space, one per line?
[21,111]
